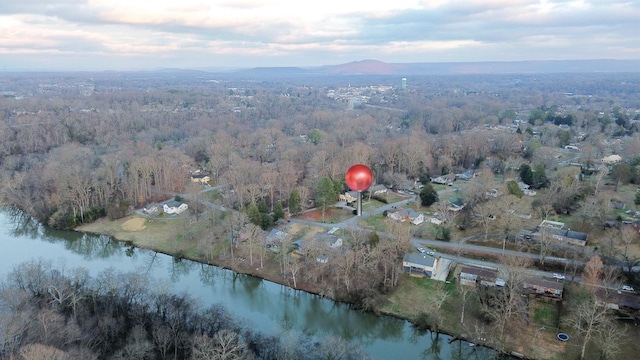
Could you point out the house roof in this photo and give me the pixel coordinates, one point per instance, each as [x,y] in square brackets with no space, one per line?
[485,273]
[419,259]
[173,203]
[548,284]
[576,235]
[378,187]
[276,234]
[326,238]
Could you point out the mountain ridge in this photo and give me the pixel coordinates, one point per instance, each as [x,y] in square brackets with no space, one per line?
[376,67]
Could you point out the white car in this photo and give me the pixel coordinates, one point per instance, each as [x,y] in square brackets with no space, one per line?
[430,252]
[558,276]
[627,288]
[422,250]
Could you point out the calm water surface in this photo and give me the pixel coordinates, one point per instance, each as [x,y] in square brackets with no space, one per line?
[263,305]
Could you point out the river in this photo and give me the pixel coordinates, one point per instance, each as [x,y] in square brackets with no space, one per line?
[266,306]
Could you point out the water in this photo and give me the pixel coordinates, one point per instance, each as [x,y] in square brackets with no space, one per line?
[265,306]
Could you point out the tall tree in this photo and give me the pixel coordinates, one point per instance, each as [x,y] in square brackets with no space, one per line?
[326,194]
[526,174]
[428,195]
[295,203]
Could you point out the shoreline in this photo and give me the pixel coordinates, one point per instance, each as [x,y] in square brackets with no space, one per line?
[248,272]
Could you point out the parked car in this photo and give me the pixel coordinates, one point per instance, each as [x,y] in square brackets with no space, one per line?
[627,288]
[421,249]
[558,276]
[430,252]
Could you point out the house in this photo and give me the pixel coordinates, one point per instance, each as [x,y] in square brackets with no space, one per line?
[174,207]
[467,175]
[551,224]
[419,265]
[274,239]
[349,196]
[329,240]
[403,215]
[544,287]
[322,259]
[455,204]
[473,276]
[563,235]
[378,190]
[443,180]
[611,159]
[200,178]
[321,241]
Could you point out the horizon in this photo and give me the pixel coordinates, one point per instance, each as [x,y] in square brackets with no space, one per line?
[118,35]
[481,67]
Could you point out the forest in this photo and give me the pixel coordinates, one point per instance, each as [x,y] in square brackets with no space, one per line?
[124,138]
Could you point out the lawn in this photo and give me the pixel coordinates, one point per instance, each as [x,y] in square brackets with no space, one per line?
[545,313]
[331,215]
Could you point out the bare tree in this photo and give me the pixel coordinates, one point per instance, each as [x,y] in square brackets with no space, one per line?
[224,345]
[41,352]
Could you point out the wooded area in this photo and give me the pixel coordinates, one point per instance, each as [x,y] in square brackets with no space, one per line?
[63,314]
[123,140]
[76,147]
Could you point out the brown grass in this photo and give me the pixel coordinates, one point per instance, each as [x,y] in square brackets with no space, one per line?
[135,224]
[146,233]
[331,215]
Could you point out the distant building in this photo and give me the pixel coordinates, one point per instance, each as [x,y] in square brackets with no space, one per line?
[403,83]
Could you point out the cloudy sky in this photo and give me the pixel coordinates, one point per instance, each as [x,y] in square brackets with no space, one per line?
[152,34]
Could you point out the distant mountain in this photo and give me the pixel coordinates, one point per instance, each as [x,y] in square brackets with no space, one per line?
[274,71]
[374,67]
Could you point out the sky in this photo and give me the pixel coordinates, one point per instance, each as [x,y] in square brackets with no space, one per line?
[205,34]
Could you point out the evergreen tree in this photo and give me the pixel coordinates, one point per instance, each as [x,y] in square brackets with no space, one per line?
[253,213]
[428,195]
[326,194]
[262,206]
[295,203]
[265,221]
[514,189]
[526,175]
[539,177]
[278,213]
[374,238]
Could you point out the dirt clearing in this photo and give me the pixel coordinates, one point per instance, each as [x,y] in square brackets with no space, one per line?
[136,224]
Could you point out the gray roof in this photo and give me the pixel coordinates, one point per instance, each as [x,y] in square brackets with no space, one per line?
[567,233]
[420,259]
[173,203]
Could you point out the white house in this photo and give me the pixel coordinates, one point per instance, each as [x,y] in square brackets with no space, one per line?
[174,207]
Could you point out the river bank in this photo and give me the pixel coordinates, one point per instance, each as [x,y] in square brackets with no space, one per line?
[409,300]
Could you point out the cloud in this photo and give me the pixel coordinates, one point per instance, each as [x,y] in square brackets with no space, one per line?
[313,32]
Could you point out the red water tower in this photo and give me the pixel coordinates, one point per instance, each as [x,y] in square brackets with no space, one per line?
[359,177]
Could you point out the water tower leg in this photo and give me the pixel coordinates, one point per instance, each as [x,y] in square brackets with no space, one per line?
[359,209]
